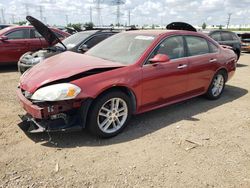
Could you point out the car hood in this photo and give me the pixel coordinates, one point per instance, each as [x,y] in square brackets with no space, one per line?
[62,66]
[46,32]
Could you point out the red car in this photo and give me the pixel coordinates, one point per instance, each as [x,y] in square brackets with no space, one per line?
[128,73]
[17,40]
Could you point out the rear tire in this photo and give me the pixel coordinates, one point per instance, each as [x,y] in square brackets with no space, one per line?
[217,86]
[109,114]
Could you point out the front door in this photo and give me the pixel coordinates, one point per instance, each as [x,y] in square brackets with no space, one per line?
[16,45]
[165,82]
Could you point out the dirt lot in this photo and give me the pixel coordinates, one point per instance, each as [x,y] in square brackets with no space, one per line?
[197,143]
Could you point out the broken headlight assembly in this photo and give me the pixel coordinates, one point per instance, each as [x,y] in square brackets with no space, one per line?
[56,92]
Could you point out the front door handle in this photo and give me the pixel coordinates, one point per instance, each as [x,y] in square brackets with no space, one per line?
[212,60]
[182,66]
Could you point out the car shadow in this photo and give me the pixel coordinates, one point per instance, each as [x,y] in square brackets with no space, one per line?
[241,65]
[8,68]
[142,124]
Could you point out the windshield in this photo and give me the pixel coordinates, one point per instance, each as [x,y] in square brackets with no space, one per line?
[124,48]
[74,40]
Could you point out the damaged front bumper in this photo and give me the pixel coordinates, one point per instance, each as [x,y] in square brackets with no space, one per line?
[59,122]
[57,116]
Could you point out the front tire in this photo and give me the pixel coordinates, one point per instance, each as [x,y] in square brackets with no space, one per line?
[109,114]
[217,86]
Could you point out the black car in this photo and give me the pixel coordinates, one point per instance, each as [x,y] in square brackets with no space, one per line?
[2,26]
[79,42]
[227,38]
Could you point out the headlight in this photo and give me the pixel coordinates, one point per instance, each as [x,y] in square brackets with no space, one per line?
[56,92]
[36,60]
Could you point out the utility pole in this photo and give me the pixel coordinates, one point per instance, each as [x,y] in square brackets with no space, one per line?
[41,12]
[229,18]
[13,18]
[118,13]
[90,14]
[2,13]
[45,20]
[98,8]
[129,18]
[67,19]
[27,8]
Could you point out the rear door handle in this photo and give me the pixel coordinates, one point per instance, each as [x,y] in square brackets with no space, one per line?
[182,66]
[212,60]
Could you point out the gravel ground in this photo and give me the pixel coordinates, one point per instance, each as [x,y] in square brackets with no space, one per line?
[197,143]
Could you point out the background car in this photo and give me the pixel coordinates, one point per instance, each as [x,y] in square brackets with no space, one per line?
[128,73]
[245,42]
[17,40]
[2,26]
[227,38]
[79,42]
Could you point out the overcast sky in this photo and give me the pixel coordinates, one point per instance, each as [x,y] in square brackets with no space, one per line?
[213,12]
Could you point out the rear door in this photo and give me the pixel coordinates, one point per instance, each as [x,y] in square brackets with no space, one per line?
[202,63]
[35,40]
[16,45]
[227,39]
[165,82]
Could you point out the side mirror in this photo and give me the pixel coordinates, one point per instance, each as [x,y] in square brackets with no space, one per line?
[3,38]
[84,48]
[159,58]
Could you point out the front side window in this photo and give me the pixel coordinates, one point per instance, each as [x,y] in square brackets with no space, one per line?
[196,45]
[18,34]
[216,36]
[173,47]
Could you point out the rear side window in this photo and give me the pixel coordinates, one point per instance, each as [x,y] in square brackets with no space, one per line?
[172,46]
[216,36]
[18,34]
[197,45]
[95,40]
[226,36]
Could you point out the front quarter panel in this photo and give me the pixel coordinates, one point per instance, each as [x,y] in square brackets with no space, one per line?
[92,86]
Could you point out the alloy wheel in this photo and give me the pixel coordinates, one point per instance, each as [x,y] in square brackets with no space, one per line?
[112,115]
[218,85]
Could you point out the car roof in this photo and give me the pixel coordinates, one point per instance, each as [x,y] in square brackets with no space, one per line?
[12,27]
[162,32]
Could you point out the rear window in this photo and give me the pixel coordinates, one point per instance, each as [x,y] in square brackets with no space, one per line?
[197,45]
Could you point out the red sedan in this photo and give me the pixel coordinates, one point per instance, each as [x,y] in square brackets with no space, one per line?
[17,40]
[129,73]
